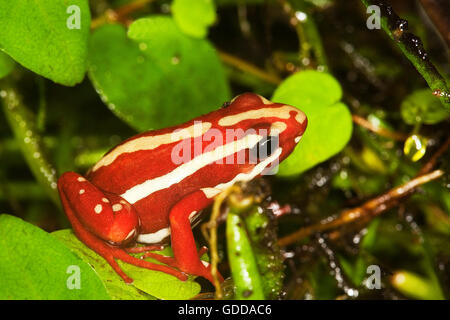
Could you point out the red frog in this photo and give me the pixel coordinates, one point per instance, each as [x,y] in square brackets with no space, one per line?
[154,184]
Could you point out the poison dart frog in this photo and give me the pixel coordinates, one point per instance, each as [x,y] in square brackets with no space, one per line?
[154,185]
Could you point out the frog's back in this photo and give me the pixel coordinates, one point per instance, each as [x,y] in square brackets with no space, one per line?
[156,169]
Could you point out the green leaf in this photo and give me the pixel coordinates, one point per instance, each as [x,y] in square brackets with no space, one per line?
[244,269]
[114,284]
[6,64]
[147,284]
[329,121]
[34,265]
[415,286]
[37,35]
[194,17]
[157,76]
[422,106]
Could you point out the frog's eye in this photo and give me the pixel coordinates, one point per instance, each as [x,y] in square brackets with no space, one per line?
[226,104]
[265,147]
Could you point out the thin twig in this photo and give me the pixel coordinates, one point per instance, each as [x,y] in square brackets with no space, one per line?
[245,66]
[307,32]
[212,236]
[120,14]
[431,163]
[379,130]
[413,49]
[372,208]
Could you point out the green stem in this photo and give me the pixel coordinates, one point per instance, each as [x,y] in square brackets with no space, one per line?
[262,234]
[23,125]
[244,269]
[412,47]
[307,32]
[42,112]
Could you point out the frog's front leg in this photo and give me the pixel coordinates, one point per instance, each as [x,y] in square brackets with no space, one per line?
[186,257]
[103,222]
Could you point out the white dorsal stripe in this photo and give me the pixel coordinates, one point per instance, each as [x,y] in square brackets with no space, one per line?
[211,192]
[154,237]
[159,235]
[280,112]
[150,186]
[264,100]
[153,142]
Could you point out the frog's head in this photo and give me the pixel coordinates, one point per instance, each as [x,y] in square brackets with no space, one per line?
[279,126]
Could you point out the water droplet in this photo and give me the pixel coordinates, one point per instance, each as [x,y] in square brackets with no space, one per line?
[415,147]
[143,46]
[175,60]
[301,16]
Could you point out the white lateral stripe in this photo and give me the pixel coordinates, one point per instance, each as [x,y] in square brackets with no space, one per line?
[155,237]
[148,187]
[277,127]
[211,192]
[280,112]
[152,142]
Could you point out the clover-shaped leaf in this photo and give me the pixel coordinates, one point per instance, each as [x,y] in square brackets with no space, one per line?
[155,76]
[194,17]
[329,121]
[422,106]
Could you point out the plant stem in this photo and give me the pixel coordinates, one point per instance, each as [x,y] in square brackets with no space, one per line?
[412,47]
[307,32]
[23,125]
[120,14]
[378,130]
[372,207]
[249,68]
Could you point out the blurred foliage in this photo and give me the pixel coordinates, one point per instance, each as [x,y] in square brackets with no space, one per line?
[70,94]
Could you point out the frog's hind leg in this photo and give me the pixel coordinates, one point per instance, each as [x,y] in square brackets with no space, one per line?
[96,232]
[141,249]
[165,259]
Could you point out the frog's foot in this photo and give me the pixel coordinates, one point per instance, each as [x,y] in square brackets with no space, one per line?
[104,222]
[141,249]
[125,257]
[165,259]
[202,269]
[110,254]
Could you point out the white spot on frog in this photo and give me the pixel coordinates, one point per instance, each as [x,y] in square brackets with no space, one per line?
[117,207]
[98,208]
